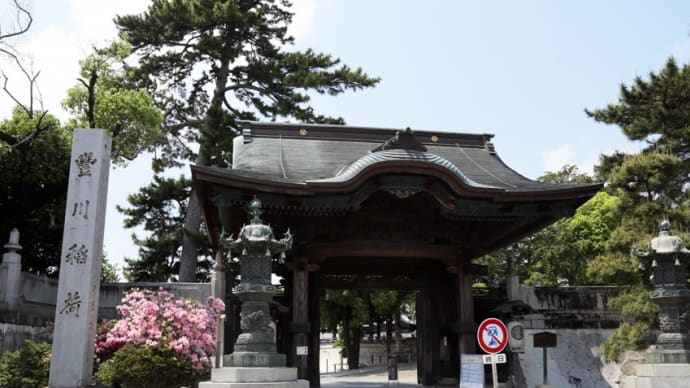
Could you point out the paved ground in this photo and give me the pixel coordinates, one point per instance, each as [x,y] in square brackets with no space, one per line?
[371,377]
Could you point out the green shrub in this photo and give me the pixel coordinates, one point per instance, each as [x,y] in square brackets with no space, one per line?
[629,336]
[144,366]
[27,367]
[639,313]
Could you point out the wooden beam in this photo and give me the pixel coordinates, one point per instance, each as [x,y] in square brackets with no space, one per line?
[446,253]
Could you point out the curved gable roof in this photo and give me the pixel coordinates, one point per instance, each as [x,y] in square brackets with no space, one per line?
[298,154]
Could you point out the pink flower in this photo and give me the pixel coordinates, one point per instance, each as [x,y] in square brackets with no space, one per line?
[159,319]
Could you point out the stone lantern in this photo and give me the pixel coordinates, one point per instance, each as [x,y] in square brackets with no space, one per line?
[256,347]
[668,259]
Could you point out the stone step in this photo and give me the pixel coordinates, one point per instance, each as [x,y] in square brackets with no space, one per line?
[253,375]
[279,384]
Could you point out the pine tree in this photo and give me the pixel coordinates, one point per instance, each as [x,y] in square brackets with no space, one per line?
[210,63]
[160,208]
[650,185]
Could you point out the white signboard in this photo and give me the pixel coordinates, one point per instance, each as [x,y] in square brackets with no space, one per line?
[498,358]
[302,350]
[471,371]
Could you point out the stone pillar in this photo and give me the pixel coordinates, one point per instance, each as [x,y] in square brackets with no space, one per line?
[12,268]
[512,281]
[80,262]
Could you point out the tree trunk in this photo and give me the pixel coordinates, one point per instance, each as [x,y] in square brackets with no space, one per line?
[389,334]
[353,359]
[213,120]
[190,248]
[346,334]
[398,335]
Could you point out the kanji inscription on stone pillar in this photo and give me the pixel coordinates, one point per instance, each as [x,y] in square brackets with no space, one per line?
[82,246]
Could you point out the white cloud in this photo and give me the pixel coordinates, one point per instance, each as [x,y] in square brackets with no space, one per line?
[303,18]
[681,52]
[56,52]
[94,18]
[555,158]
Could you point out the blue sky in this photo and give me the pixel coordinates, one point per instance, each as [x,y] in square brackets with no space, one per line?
[522,70]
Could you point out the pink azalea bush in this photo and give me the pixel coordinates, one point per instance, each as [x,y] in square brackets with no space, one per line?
[158,319]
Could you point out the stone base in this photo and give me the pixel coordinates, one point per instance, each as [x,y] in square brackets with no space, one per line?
[658,376]
[668,357]
[254,378]
[254,360]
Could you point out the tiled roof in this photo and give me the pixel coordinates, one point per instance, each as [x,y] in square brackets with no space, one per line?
[302,154]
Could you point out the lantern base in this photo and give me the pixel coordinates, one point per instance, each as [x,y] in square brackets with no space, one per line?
[254,359]
[668,357]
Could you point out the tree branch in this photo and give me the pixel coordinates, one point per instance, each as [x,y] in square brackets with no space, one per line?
[21,29]
[7,138]
[184,124]
[16,101]
[37,130]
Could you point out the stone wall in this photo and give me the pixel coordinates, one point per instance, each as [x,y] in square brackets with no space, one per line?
[27,301]
[572,307]
[34,308]
[12,336]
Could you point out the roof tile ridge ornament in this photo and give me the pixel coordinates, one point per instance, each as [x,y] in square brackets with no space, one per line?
[403,140]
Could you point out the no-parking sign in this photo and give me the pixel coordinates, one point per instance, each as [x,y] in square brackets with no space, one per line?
[492,335]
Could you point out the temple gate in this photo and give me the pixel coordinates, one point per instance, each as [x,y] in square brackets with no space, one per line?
[379,208]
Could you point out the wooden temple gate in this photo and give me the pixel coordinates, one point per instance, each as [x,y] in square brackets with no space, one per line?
[407,211]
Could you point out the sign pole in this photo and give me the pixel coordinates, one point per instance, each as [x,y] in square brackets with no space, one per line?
[494,371]
[545,367]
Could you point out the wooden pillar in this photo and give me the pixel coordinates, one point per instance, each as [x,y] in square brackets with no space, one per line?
[430,331]
[466,324]
[420,329]
[313,371]
[231,325]
[448,338]
[300,326]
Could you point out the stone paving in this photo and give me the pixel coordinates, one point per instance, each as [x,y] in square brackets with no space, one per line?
[371,377]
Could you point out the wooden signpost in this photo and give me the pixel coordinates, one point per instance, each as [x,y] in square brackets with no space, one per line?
[544,340]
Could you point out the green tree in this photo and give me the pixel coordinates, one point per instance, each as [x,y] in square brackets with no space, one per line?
[210,63]
[559,254]
[160,208]
[650,185]
[34,160]
[108,271]
[569,173]
[103,100]
[655,110]
[389,305]
[346,311]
